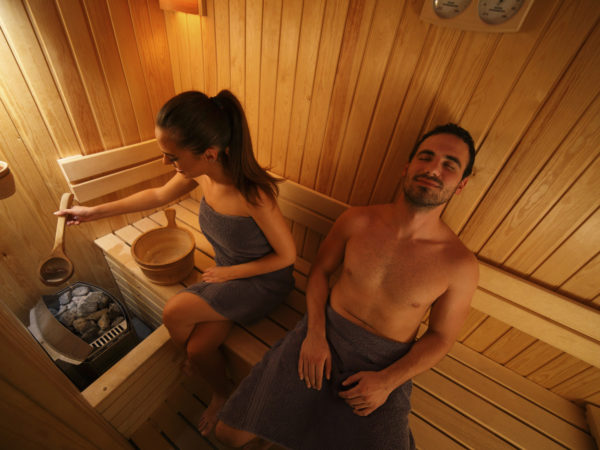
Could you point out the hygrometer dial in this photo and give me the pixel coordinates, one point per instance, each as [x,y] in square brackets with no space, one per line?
[498,11]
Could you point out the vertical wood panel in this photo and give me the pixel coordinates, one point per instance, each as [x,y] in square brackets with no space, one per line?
[336,13]
[310,33]
[222,45]
[112,69]
[52,37]
[268,79]
[151,38]
[253,47]
[437,52]
[397,80]
[472,57]
[38,76]
[210,51]
[86,57]
[196,55]
[384,29]
[132,67]
[291,20]
[353,45]
[237,48]
[173,33]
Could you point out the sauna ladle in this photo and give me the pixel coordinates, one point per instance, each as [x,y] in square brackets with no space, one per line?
[57,268]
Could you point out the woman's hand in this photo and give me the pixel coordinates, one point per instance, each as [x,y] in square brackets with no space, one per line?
[218,274]
[78,214]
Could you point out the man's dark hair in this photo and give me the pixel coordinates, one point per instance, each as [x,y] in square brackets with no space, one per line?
[461,133]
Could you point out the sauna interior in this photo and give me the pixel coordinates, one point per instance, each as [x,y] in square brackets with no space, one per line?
[336,92]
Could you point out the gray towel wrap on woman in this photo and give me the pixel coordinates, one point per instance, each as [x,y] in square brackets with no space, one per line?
[272,402]
[237,240]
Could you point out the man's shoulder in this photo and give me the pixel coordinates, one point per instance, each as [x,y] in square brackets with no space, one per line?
[463,261]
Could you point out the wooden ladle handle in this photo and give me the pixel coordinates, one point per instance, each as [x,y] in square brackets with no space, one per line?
[170,214]
[65,203]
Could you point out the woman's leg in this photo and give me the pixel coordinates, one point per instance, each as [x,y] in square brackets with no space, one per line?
[208,361]
[200,330]
[181,314]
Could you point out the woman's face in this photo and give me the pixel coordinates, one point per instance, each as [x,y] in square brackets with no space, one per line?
[187,163]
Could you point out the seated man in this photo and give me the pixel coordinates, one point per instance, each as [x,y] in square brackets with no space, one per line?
[342,378]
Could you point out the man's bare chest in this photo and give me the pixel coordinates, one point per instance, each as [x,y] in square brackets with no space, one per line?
[407,272]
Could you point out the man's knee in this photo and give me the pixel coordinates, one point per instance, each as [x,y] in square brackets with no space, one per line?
[231,436]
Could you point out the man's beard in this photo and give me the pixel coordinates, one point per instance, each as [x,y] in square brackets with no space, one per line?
[426,197]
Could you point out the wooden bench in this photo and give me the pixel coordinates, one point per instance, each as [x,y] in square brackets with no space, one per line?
[467,400]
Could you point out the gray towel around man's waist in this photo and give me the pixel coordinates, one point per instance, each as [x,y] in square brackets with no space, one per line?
[273,403]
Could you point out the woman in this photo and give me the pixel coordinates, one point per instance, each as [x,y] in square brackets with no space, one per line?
[207,141]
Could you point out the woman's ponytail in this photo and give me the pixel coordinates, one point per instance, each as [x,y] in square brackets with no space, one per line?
[248,176]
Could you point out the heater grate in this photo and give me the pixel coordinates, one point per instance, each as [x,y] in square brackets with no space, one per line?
[110,335]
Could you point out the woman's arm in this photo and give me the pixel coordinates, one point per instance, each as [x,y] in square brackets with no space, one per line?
[269,219]
[177,186]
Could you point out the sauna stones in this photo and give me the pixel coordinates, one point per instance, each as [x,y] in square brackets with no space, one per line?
[88,313]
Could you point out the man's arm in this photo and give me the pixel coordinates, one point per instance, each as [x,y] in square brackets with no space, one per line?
[315,356]
[446,318]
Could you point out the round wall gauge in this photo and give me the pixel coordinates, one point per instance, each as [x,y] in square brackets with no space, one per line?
[498,11]
[447,9]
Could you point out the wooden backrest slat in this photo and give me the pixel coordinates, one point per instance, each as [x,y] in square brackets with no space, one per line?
[77,168]
[89,190]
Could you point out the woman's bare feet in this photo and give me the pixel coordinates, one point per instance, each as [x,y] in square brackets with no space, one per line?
[210,416]
[187,368]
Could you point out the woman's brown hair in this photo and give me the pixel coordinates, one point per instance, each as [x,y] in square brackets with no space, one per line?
[196,122]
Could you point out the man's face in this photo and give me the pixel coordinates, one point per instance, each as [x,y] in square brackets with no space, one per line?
[435,172]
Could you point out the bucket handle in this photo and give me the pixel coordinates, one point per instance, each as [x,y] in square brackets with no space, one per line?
[170,215]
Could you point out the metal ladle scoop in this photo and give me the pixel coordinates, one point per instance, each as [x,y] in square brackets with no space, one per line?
[57,268]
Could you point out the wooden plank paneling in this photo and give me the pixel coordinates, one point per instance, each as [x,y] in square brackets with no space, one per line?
[380,43]
[38,76]
[291,18]
[132,67]
[543,69]
[353,46]
[572,255]
[90,72]
[398,76]
[559,145]
[436,55]
[308,49]
[237,48]
[221,15]
[564,218]
[108,53]
[53,40]
[271,28]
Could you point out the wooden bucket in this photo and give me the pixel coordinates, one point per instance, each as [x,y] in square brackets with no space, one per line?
[165,255]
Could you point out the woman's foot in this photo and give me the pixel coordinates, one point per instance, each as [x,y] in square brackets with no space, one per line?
[210,416]
[187,368]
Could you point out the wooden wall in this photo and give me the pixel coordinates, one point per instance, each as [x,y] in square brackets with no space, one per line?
[336,92]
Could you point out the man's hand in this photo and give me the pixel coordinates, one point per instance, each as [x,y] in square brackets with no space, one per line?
[371,391]
[315,357]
